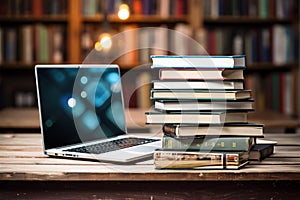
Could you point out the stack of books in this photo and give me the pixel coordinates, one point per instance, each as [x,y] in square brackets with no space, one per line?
[202,105]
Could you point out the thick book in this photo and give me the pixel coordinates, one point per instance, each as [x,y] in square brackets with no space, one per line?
[185,130]
[178,159]
[198,85]
[205,143]
[206,105]
[195,117]
[234,61]
[200,94]
[201,74]
[261,151]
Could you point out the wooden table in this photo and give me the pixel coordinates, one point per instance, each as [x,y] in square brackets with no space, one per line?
[25,173]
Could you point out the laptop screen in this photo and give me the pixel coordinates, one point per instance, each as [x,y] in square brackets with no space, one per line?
[79,103]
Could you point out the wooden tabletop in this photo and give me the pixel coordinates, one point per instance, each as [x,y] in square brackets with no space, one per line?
[26,173]
[22,158]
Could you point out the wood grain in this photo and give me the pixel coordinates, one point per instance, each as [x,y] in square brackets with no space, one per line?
[22,159]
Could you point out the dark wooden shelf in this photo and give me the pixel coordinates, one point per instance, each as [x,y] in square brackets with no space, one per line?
[266,66]
[246,20]
[250,67]
[140,19]
[34,19]
[22,65]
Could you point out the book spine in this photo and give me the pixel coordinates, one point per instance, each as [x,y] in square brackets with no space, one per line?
[207,144]
[1,45]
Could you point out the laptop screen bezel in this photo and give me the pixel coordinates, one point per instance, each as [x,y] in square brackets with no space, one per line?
[68,66]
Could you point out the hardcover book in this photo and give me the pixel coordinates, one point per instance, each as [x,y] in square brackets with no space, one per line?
[235,61]
[261,151]
[195,117]
[206,143]
[184,130]
[198,85]
[201,74]
[204,105]
[200,94]
[178,159]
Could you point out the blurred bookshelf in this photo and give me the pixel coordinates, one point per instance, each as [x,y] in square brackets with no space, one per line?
[267,31]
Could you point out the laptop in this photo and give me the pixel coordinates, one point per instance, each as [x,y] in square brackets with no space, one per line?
[82,114]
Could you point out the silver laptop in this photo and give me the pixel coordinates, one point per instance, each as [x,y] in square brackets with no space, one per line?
[82,114]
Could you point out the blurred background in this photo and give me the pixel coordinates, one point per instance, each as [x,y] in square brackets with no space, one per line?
[67,31]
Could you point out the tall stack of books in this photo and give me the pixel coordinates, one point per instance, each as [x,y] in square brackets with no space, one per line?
[202,105]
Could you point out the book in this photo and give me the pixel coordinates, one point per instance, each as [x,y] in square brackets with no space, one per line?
[195,117]
[201,74]
[261,151]
[186,130]
[205,143]
[200,94]
[204,105]
[198,85]
[178,159]
[27,43]
[205,61]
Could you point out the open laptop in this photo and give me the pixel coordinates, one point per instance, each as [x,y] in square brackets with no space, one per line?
[82,114]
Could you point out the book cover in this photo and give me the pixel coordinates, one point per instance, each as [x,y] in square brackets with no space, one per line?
[203,143]
[261,151]
[10,45]
[195,117]
[1,44]
[177,159]
[203,74]
[27,43]
[198,84]
[200,94]
[199,61]
[187,130]
[204,105]
[37,8]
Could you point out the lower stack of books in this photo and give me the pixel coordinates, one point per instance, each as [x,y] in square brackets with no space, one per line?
[203,127]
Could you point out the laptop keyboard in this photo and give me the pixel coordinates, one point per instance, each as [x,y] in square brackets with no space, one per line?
[112,145]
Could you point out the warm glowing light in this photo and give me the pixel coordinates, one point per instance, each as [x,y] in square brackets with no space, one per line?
[104,42]
[123,12]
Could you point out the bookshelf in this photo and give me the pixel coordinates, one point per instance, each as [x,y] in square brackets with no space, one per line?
[267,32]
[238,28]
[70,17]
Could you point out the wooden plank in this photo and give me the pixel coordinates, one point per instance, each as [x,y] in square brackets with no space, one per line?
[143,173]
[48,161]
[287,149]
[167,190]
[285,155]
[272,161]
[19,118]
[21,139]
[58,161]
[284,139]
[18,148]
[22,154]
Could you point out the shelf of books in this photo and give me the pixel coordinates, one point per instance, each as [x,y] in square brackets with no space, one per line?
[143,14]
[203,110]
[267,32]
[32,32]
